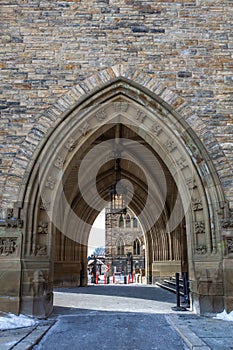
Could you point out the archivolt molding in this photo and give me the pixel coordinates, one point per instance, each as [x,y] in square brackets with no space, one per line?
[150,116]
[164,133]
[159,95]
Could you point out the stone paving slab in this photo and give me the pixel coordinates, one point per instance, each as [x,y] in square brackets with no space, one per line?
[198,333]
[205,333]
[23,338]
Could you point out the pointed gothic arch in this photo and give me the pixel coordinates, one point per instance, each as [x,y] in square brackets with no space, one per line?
[52,205]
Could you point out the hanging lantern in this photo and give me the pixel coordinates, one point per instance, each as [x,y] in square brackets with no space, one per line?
[117,192]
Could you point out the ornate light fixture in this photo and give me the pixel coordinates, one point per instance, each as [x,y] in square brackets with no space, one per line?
[117,190]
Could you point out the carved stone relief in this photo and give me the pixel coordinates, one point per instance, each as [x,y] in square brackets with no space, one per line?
[121,106]
[201,250]
[191,183]
[197,204]
[170,145]
[41,250]
[227,223]
[11,221]
[140,116]
[199,227]
[101,115]
[59,162]
[229,246]
[8,246]
[45,205]
[84,129]
[70,145]
[14,222]
[156,129]
[42,227]
[181,163]
[50,183]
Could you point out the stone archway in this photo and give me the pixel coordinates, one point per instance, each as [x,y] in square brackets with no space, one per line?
[156,139]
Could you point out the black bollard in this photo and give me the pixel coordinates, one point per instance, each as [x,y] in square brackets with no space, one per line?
[177,289]
[178,307]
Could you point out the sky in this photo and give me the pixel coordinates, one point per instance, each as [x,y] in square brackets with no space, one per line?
[97,234]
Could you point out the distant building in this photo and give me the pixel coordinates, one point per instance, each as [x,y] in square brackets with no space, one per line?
[124,243]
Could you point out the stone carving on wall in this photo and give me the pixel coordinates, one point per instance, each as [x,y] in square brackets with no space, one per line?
[41,250]
[170,145]
[191,183]
[181,163]
[10,221]
[140,116]
[59,162]
[70,145]
[227,223]
[42,227]
[101,115]
[156,129]
[229,245]
[14,222]
[121,106]
[45,205]
[50,183]
[199,227]
[197,204]
[8,246]
[84,129]
[201,250]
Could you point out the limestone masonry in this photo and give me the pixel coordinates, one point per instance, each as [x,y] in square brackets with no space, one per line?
[75,75]
[48,47]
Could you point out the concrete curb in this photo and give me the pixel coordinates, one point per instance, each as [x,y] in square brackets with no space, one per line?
[189,337]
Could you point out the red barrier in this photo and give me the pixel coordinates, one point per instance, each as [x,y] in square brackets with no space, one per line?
[133,278]
[105,279]
[128,278]
[113,279]
[97,279]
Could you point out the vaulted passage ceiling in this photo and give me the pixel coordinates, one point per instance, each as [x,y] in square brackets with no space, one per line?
[151,188]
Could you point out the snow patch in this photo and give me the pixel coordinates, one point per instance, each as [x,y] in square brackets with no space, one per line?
[225,316]
[11,321]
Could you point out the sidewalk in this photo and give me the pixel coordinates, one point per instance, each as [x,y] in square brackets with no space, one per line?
[197,332]
[203,333]
[24,338]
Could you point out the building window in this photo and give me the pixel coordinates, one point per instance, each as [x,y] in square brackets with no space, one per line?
[120,247]
[128,221]
[136,247]
[121,221]
[135,222]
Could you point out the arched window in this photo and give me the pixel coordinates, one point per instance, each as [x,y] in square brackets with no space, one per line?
[135,222]
[120,247]
[128,221]
[136,247]
[121,221]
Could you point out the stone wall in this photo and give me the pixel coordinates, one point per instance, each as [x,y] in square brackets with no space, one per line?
[48,47]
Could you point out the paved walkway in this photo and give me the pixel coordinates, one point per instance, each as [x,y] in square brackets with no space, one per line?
[197,332]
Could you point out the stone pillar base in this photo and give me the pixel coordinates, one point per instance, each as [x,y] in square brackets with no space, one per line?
[207,297]
[207,304]
[40,307]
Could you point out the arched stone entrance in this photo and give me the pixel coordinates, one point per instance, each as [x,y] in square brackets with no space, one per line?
[172,181]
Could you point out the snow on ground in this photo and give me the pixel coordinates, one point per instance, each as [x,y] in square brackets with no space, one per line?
[10,321]
[225,316]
